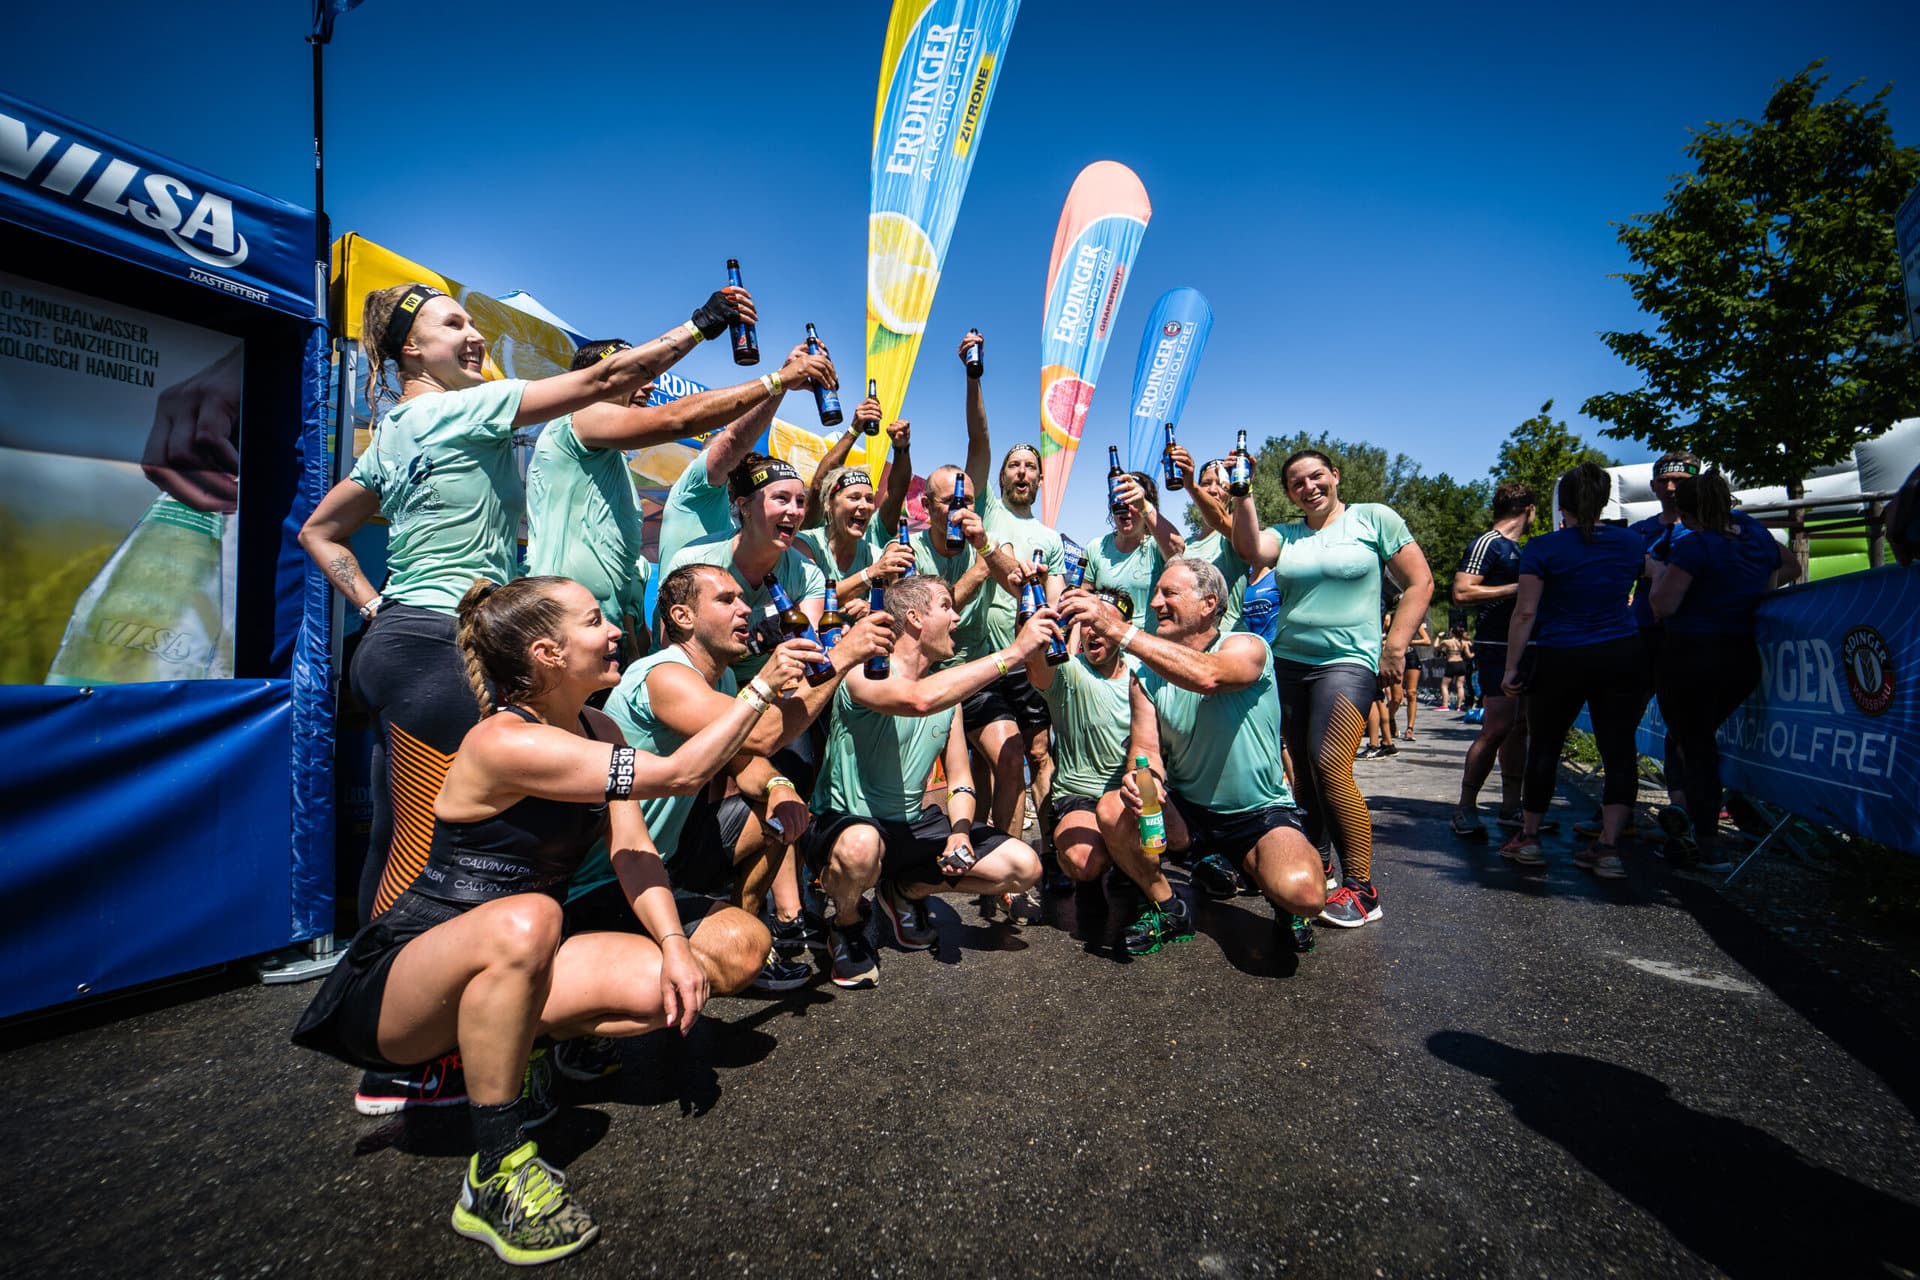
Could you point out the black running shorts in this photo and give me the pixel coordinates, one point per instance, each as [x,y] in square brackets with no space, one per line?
[1009,697]
[1232,835]
[911,850]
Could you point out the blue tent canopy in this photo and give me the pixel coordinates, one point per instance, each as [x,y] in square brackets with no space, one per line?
[151,829]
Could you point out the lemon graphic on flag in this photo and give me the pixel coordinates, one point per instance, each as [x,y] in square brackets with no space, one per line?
[902,272]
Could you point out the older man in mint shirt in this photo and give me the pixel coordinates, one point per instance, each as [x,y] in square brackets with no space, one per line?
[1205,717]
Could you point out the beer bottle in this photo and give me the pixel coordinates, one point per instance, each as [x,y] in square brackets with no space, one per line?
[1176,478]
[974,353]
[1023,613]
[826,398]
[906,540]
[1115,474]
[1240,468]
[873,393]
[794,624]
[955,506]
[832,627]
[746,339]
[1153,821]
[879,665]
[1074,561]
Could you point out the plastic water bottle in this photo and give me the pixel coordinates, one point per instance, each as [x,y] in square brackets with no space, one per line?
[1153,820]
[154,611]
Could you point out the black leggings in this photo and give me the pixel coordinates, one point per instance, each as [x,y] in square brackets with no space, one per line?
[1703,678]
[410,674]
[1323,714]
[1608,679]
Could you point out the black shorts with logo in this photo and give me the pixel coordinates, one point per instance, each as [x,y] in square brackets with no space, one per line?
[700,869]
[1010,697]
[910,851]
[1232,835]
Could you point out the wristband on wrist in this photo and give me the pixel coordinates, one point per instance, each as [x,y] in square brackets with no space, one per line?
[753,699]
[675,934]
[771,381]
[372,607]
[962,790]
[778,781]
[694,329]
[1000,661]
[761,687]
[1127,639]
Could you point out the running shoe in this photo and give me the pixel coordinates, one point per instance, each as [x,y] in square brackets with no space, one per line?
[907,919]
[1467,825]
[1523,850]
[523,1212]
[1215,877]
[1407,736]
[1352,905]
[780,973]
[440,1083]
[588,1058]
[1682,845]
[1475,716]
[854,963]
[1364,753]
[1156,924]
[1387,749]
[794,938]
[1601,859]
[538,1100]
[1588,827]
[1299,933]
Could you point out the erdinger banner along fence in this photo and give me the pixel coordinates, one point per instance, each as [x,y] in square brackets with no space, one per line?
[1833,732]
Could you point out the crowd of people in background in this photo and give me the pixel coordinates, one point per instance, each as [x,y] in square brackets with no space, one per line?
[590,820]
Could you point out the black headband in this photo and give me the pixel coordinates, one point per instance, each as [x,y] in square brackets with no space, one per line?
[405,312]
[1671,466]
[1033,449]
[847,479]
[769,471]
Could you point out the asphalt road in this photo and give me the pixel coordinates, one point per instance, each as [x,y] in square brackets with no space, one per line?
[1508,1076]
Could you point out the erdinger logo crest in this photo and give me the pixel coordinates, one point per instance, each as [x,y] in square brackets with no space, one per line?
[1869,666]
[1171,328]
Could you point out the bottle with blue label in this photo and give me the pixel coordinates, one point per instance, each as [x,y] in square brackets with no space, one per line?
[826,398]
[879,666]
[832,627]
[795,624]
[154,612]
[907,542]
[959,503]
[1240,468]
[1116,474]
[1175,477]
[745,337]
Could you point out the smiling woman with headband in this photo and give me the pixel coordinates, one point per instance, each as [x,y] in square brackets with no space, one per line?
[441,471]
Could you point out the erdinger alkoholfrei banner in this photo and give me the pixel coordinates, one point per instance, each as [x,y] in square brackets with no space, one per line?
[937,75]
[1833,732]
[68,180]
[1170,348]
[1101,227]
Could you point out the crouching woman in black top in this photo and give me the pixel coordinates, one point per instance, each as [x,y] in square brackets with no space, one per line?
[472,955]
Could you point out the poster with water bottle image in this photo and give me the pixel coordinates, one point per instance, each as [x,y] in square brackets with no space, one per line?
[119,482]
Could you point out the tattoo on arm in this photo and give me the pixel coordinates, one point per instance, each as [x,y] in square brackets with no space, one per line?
[345,571]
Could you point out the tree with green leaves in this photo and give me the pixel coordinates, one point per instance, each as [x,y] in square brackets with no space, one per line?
[1772,275]
[1538,452]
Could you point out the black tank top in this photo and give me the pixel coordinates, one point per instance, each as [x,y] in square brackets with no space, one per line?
[533,846]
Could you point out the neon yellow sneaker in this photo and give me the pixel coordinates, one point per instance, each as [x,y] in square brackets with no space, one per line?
[523,1211]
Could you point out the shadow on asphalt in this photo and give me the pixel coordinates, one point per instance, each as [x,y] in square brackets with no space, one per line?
[1248,938]
[1740,1198]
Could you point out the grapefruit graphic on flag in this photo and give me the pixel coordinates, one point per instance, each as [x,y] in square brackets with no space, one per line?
[1101,226]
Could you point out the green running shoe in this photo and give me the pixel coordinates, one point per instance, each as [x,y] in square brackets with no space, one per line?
[523,1212]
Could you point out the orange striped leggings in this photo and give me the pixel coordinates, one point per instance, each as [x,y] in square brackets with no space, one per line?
[1323,715]
[409,673]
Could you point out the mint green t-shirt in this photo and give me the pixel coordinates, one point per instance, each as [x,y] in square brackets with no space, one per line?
[876,765]
[583,521]
[1220,553]
[1135,572]
[695,508]
[818,544]
[1023,533]
[799,577]
[1092,720]
[970,633]
[1330,585]
[442,466]
[631,707]
[1222,749]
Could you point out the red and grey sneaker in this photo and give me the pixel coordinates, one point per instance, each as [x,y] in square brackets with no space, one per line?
[1353,904]
[440,1083]
[1523,850]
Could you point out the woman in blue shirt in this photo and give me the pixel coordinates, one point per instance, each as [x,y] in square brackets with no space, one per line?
[1572,641]
[1705,593]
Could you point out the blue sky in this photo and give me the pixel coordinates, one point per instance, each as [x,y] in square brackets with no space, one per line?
[1399,213]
